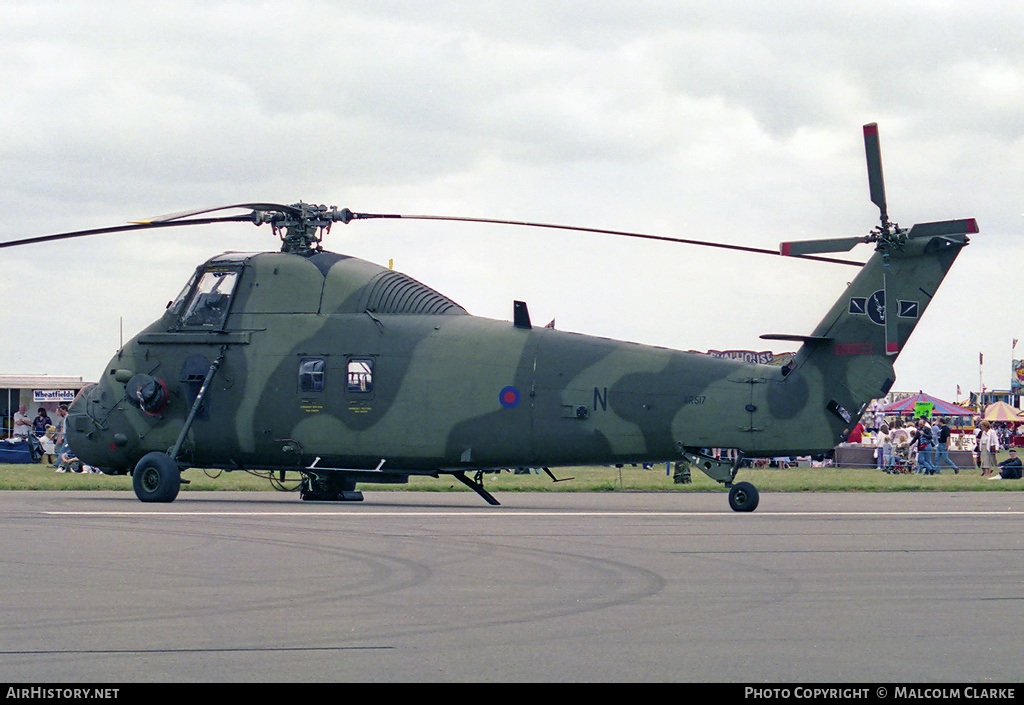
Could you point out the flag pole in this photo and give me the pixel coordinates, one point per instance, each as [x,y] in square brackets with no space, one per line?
[1013,373]
[981,387]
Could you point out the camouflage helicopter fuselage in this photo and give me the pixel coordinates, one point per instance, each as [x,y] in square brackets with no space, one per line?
[332,364]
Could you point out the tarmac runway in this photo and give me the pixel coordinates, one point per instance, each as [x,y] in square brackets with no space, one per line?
[417,586]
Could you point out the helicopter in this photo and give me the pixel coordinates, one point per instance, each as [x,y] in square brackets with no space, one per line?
[345,372]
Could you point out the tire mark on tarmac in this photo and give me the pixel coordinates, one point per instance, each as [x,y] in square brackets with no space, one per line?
[547,584]
[380,574]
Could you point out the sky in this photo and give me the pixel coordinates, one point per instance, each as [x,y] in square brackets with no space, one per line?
[736,122]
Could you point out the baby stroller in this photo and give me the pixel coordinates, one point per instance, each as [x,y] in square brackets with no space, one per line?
[899,463]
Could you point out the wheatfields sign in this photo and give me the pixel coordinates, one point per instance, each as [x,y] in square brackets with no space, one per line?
[59,396]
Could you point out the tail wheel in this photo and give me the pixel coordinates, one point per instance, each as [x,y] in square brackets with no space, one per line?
[156,478]
[743,497]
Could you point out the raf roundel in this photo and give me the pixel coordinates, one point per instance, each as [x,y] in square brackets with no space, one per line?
[509,397]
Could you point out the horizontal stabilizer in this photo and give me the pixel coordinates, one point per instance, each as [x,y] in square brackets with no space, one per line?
[813,339]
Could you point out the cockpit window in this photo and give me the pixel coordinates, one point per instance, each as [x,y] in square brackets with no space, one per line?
[179,301]
[210,301]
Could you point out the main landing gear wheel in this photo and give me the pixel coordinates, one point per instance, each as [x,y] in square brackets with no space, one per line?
[743,497]
[328,487]
[156,478]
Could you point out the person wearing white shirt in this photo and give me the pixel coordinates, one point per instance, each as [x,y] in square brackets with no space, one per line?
[988,444]
[22,423]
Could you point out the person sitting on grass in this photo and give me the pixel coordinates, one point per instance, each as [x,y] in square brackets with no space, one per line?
[1009,469]
[69,462]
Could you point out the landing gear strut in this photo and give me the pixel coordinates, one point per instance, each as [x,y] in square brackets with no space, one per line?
[743,496]
[477,485]
[157,476]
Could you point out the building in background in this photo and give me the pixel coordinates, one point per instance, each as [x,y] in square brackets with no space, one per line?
[35,392]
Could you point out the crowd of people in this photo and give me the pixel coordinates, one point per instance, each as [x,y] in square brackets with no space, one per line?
[921,446]
[43,427]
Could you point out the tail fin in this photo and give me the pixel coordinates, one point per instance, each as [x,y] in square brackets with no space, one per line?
[848,360]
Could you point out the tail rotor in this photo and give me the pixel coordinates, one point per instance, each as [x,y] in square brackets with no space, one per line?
[888,237]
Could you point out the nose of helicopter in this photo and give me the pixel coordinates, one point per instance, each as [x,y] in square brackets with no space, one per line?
[89,435]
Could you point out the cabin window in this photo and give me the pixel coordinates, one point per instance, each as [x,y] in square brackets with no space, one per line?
[311,375]
[360,375]
[211,299]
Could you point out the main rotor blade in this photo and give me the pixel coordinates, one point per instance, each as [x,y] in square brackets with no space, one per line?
[873,151]
[944,227]
[801,248]
[644,236]
[251,206]
[124,228]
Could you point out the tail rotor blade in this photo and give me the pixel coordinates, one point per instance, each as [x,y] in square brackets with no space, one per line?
[873,150]
[810,247]
[944,227]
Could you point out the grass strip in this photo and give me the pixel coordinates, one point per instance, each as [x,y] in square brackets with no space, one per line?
[584,479]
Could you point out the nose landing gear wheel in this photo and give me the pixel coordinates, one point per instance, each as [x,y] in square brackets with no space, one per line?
[743,497]
[156,478]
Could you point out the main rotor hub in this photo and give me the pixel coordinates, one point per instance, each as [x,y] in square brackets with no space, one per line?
[302,226]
